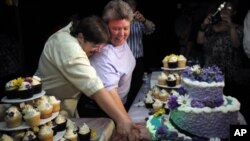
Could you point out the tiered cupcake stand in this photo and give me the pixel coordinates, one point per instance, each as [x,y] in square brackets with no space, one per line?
[171,70]
[24,126]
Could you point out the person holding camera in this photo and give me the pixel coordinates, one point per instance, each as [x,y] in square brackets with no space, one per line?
[221,40]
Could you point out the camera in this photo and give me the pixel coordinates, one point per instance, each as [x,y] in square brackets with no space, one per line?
[215,18]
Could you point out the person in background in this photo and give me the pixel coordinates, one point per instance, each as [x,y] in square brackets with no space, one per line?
[65,71]
[222,41]
[139,27]
[246,38]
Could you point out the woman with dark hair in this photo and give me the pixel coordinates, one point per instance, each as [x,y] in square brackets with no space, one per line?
[66,72]
[222,39]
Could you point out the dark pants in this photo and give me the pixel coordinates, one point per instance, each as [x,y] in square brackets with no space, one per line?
[136,82]
[89,108]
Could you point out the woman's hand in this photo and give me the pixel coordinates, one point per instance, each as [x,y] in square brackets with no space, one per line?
[126,131]
[139,17]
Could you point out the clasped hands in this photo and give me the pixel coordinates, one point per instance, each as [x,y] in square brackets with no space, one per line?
[137,133]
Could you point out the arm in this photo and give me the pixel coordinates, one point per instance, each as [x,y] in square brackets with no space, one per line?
[117,99]
[149,25]
[201,39]
[121,118]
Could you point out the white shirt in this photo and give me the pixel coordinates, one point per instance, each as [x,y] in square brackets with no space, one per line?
[65,69]
[115,65]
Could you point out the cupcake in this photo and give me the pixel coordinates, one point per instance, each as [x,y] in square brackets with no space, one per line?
[2,112]
[18,135]
[53,126]
[60,122]
[165,62]
[29,136]
[11,88]
[25,107]
[55,103]
[45,108]
[70,124]
[32,117]
[71,134]
[156,92]
[162,79]
[178,78]
[182,61]
[13,117]
[84,133]
[35,129]
[45,133]
[157,105]
[36,84]
[163,96]
[25,90]
[171,80]
[5,137]
[172,62]
[148,101]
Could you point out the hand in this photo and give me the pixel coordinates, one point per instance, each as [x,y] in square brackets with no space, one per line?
[227,20]
[144,134]
[207,20]
[127,131]
[139,17]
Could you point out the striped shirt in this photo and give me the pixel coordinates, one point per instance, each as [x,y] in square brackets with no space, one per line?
[137,29]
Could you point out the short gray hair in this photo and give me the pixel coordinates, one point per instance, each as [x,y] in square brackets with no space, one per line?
[117,10]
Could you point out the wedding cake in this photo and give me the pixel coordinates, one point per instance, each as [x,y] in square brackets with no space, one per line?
[198,110]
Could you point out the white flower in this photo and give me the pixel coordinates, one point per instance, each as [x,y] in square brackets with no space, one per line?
[195,68]
[175,93]
[184,100]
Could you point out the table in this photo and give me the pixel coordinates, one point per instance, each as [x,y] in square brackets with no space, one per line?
[138,114]
[103,126]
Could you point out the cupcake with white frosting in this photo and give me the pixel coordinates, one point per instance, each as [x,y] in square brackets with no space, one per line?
[171,80]
[163,96]
[32,117]
[36,84]
[172,62]
[148,101]
[60,123]
[5,137]
[157,105]
[84,133]
[156,91]
[45,133]
[182,61]
[13,117]
[71,134]
[44,107]
[165,62]
[55,103]
[178,78]
[25,90]
[11,88]
[162,78]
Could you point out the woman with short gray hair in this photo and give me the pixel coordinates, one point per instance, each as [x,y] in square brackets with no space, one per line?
[114,64]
